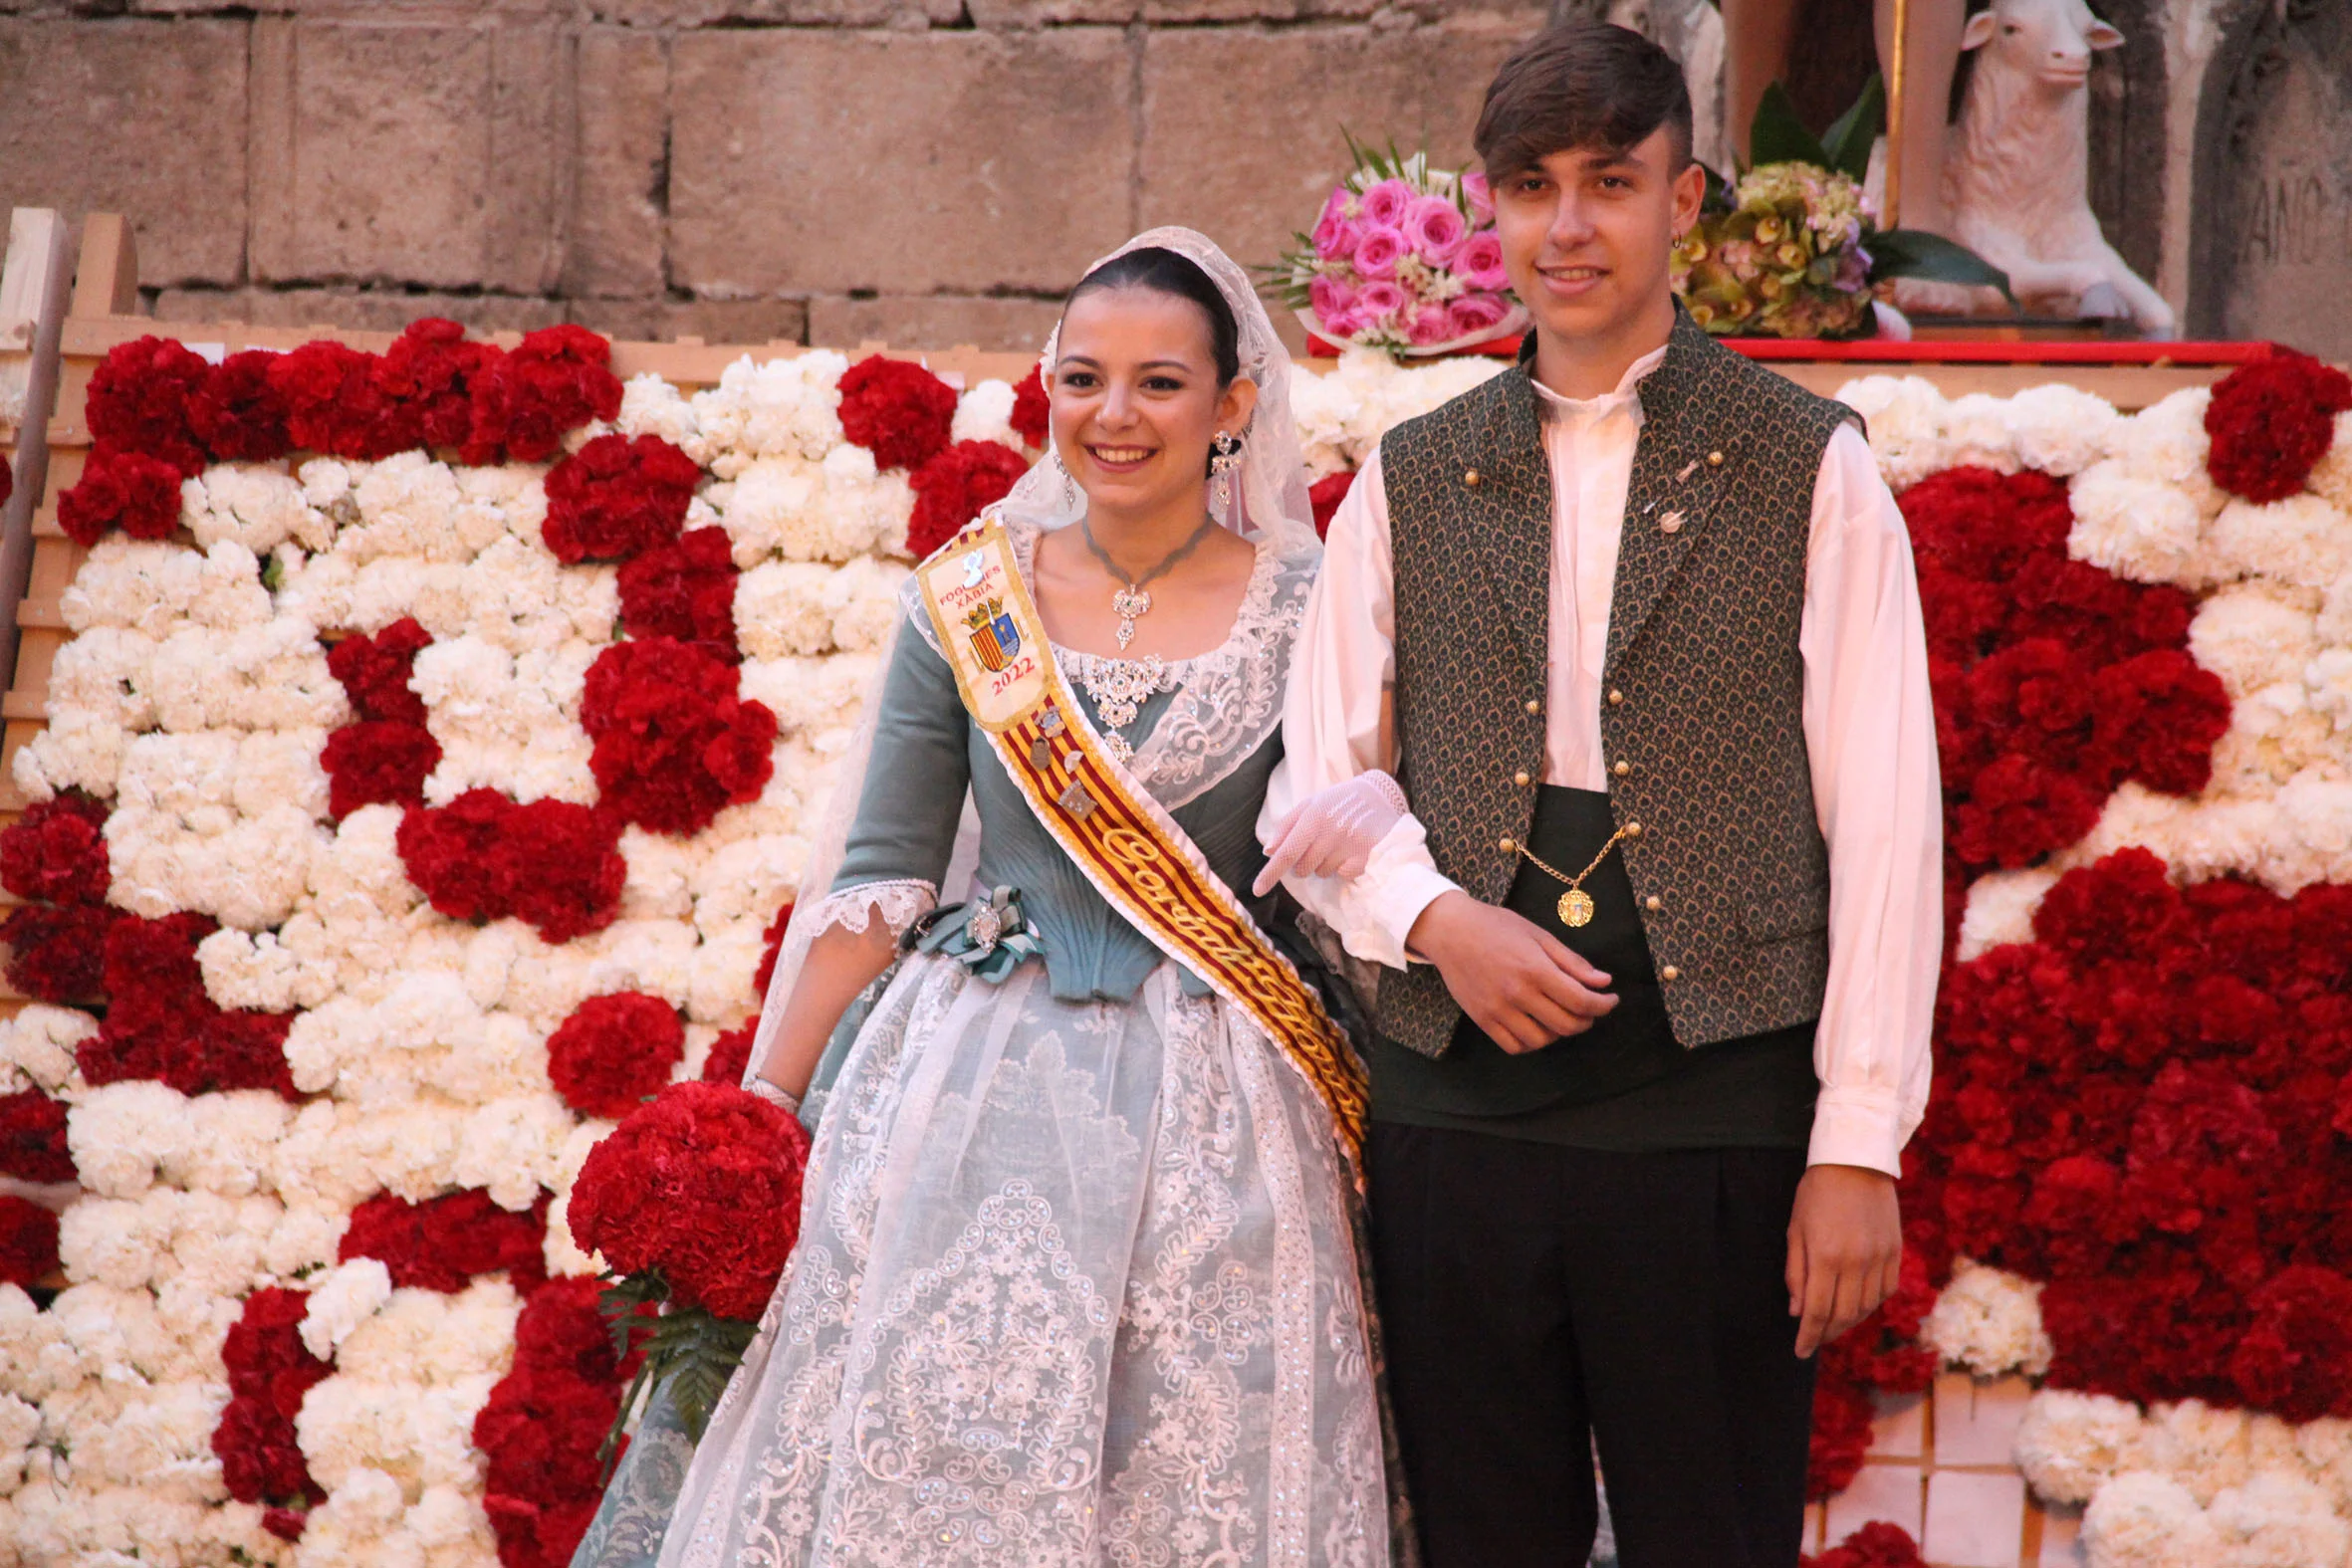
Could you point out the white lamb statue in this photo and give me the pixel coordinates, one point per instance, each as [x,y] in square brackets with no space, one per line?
[2015,181]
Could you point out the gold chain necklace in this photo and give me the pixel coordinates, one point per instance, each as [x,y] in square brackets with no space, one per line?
[1132,600]
[1575,905]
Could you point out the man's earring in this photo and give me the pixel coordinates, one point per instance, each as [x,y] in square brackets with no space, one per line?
[1225,455]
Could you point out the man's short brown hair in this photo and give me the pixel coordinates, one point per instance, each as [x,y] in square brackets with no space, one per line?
[1582,84]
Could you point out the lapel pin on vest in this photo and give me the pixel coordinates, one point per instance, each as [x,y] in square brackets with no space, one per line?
[1670,523]
[1688,469]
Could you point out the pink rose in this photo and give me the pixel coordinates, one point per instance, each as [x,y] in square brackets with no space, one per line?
[1342,328]
[1480,195]
[1430,325]
[1479,262]
[1335,239]
[1385,203]
[1378,252]
[1437,229]
[1378,300]
[1330,299]
[1336,204]
[1474,313]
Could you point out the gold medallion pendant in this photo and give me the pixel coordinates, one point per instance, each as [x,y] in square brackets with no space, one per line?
[1576,908]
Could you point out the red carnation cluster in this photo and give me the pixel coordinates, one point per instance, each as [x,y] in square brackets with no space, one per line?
[58,953]
[430,369]
[674,744]
[684,590]
[526,400]
[616,1052]
[731,1055]
[444,1243]
[544,1423]
[32,1137]
[270,1370]
[955,485]
[384,757]
[335,403]
[1877,1544]
[140,397]
[550,863]
[897,410]
[1882,1352]
[2146,1107]
[57,852]
[1325,495]
[704,1185]
[615,497]
[121,489]
[1032,410]
[2270,420]
[238,414]
[2054,681]
[161,1025]
[28,1241]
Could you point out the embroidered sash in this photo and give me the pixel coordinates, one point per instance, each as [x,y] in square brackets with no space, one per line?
[1129,847]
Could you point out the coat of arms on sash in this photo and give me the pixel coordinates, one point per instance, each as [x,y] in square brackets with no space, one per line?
[988,630]
[995,635]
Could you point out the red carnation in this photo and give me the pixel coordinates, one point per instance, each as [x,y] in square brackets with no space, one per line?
[238,415]
[374,671]
[444,1243]
[58,852]
[561,1331]
[684,590]
[58,955]
[526,400]
[897,410]
[377,763]
[447,853]
[541,1431]
[955,485]
[123,489]
[235,1049]
[2156,718]
[2270,420]
[2015,811]
[614,1052]
[1841,1437]
[1325,495]
[550,863]
[1032,410]
[616,496]
[264,1356]
[673,743]
[1877,1544]
[772,945]
[731,1055]
[139,402]
[2296,1359]
[430,369]
[334,404]
[703,1184]
[32,1137]
[28,1241]
[261,1461]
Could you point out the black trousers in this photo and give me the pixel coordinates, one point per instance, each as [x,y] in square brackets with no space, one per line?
[1536,1298]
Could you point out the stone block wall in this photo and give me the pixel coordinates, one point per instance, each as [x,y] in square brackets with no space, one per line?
[937,171]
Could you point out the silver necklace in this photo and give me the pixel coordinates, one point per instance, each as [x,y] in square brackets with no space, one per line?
[1132,600]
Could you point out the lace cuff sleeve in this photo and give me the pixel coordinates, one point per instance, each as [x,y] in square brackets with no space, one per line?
[899,904]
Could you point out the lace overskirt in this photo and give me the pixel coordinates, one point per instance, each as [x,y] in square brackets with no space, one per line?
[1075,1284]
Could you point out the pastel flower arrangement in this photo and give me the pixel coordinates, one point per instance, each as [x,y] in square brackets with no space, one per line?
[1404,258]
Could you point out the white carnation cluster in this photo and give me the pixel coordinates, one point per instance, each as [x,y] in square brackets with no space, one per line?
[1343,413]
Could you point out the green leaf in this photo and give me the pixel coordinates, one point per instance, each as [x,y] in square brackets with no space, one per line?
[1849,140]
[1915,253]
[1778,137]
[620,1300]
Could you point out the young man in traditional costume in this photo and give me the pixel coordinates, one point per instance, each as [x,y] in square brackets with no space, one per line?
[1634,627]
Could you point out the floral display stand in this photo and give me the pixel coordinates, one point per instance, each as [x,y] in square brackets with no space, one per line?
[414,813]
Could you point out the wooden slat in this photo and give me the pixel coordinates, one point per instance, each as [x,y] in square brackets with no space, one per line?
[105,282]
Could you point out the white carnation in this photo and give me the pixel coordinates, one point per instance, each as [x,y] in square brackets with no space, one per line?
[191,778]
[120,1133]
[1978,433]
[652,956]
[785,608]
[320,588]
[510,1148]
[261,972]
[1906,417]
[2059,429]
[2146,1520]
[2001,910]
[123,585]
[864,598]
[361,869]
[984,413]
[2329,678]
[321,1161]
[217,1242]
[723,967]
[226,590]
[2301,539]
[407,506]
[2331,476]
[785,406]
[305,1240]
[2165,443]
[235,1139]
[39,1042]
[661,871]
[561,1251]
[116,1242]
[2252,635]
[77,750]
[36,1358]
[2137,527]
[162,1441]
[650,406]
[256,504]
[809,695]
[2277,1519]
[103,672]
[1990,1321]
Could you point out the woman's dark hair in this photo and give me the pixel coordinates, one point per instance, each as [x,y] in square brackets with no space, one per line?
[1581,82]
[1167,272]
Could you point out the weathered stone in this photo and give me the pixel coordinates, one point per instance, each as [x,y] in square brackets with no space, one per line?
[794,13]
[1241,125]
[359,310]
[712,320]
[821,162]
[620,185]
[145,119]
[1052,13]
[932,322]
[411,153]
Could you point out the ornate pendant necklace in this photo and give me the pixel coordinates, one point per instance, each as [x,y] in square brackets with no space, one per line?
[1575,905]
[1132,600]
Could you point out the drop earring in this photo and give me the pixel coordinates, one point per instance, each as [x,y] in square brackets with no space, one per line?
[1225,455]
[1070,496]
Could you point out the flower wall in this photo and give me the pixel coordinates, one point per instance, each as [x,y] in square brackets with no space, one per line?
[426,782]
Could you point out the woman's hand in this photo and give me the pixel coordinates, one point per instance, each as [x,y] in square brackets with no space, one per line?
[1333,831]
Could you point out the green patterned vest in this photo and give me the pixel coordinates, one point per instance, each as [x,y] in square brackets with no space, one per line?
[1702,725]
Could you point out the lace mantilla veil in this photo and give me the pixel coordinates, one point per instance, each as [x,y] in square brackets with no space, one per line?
[1269,503]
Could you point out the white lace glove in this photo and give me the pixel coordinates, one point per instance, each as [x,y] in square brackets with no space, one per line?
[1333,831]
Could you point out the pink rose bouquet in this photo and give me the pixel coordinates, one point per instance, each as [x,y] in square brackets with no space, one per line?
[1403,258]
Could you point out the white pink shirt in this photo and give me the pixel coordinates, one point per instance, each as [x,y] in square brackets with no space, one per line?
[1868,721]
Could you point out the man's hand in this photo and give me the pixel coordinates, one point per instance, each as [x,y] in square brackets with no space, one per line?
[1516,983]
[1845,1248]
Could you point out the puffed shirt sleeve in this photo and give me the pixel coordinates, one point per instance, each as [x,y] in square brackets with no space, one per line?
[1870,730]
[1337,722]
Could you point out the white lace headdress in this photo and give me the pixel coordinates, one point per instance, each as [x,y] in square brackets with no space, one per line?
[1268,499]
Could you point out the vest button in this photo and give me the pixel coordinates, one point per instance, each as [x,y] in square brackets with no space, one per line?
[1715,460]
[1653,903]
[1534,706]
[1670,972]
[1622,768]
[1471,477]
[1633,829]
[1507,845]
[1616,697]
[1520,779]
